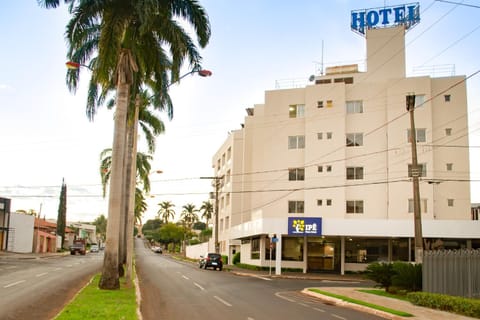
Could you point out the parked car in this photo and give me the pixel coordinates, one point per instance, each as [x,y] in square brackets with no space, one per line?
[94,247]
[78,246]
[211,260]
[157,249]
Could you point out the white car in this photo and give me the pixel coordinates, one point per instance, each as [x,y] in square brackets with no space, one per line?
[94,248]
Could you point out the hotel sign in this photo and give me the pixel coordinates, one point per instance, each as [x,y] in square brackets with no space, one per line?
[304,226]
[408,15]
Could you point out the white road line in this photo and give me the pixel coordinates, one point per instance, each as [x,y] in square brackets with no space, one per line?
[338,317]
[250,318]
[199,286]
[56,269]
[304,305]
[263,278]
[14,284]
[41,274]
[222,301]
[320,310]
[284,298]
[185,277]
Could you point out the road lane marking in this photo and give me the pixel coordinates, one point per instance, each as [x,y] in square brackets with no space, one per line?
[11,267]
[320,310]
[250,318]
[263,278]
[304,305]
[199,286]
[278,294]
[14,284]
[41,274]
[56,269]
[185,277]
[338,317]
[222,301]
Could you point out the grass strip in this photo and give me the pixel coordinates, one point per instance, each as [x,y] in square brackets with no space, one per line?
[363,303]
[383,293]
[92,303]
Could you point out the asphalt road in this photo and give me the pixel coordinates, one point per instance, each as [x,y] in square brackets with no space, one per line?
[39,288]
[180,290]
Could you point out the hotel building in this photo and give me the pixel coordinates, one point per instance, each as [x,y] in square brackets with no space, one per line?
[320,177]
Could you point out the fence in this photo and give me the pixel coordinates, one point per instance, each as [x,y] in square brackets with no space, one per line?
[452,272]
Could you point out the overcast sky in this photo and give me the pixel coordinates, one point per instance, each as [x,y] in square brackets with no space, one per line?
[45,135]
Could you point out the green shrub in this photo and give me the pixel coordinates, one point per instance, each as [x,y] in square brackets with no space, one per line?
[458,305]
[225,259]
[236,258]
[382,273]
[407,276]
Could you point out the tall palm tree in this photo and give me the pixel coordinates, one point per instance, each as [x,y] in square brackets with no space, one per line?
[131,38]
[189,215]
[207,211]
[165,213]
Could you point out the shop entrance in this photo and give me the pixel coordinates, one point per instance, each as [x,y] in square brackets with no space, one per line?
[320,255]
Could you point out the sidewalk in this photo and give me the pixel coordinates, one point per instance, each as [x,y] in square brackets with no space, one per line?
[419,313]
[16,255]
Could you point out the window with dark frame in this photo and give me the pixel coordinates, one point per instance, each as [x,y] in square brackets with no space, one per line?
[296,174]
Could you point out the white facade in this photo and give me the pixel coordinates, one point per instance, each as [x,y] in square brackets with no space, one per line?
[21,233]
[339,150]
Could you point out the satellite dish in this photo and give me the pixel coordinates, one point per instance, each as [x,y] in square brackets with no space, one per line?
[311,78]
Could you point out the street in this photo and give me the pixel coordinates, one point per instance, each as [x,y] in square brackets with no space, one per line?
[39,288]
[180,290]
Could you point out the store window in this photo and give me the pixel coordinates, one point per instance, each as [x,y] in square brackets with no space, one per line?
[292,249]
[255,249]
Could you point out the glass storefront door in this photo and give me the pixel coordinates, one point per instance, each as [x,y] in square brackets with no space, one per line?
[320,255]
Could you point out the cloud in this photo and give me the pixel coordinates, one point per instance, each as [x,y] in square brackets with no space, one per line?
[5,87]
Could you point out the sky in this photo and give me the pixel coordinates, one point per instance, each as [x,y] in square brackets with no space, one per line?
[45,135]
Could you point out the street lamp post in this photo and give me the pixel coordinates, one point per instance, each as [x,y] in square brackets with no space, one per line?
[415,172]
[218,182]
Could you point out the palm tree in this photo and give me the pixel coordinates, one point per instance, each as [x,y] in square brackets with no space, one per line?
[189,215]
[130,38]
[166,212]
[207,211]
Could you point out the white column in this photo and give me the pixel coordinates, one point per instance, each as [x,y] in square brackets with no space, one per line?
[342,255]
[278,255]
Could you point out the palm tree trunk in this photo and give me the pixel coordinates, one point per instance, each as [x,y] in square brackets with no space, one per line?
[126,67]
[110,277]
[131,162]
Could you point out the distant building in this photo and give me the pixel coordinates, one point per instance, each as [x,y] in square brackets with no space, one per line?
[320,176]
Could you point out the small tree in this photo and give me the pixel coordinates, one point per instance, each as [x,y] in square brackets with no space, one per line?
[382,273]
[62,213]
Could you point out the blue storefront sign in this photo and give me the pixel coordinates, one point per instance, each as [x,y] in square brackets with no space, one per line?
[304,226]
[408,15]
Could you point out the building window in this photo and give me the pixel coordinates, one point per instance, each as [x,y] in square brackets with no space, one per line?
[227,223]
[354,173]
[296,142]
[355,206]
[329,135]
[447,97]
[229,153]
[450,202]
[218,164]
[329,103]
[319,104]
[420,172]
[320,168]
[319,135]
[292,248]
[329,202]
[354,139]
[423,206]
[355,106]
[421,135]
[448,131]
[223,159]
[296,111]
[228,176]
[296,174]
[319,202]
[419,100]
[449,166]
[295,206]
[255,249]
[328,168]
[227,197]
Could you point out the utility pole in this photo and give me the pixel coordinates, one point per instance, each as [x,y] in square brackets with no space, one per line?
[218,182]
[415,171]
